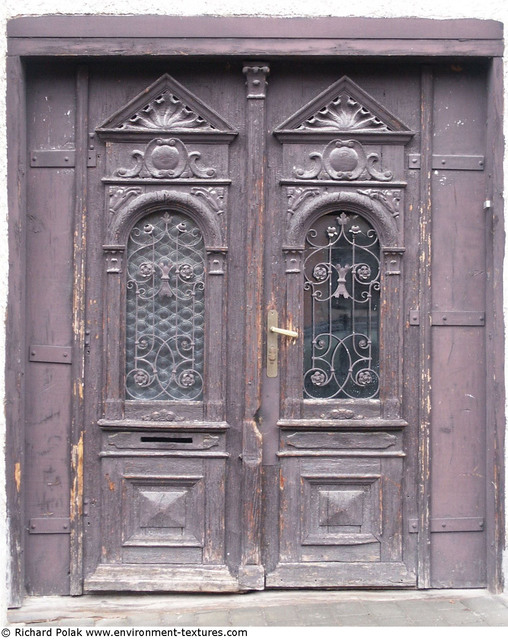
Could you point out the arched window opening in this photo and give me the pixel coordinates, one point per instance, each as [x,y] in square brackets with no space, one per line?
[341,307]
[165,309]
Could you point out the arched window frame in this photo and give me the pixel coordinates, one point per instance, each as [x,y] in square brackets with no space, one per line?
[116,407]
[390,330]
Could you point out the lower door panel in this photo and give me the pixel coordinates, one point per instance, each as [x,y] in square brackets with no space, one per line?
[341,515]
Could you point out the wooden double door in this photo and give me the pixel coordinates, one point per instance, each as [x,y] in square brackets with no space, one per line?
[260,332]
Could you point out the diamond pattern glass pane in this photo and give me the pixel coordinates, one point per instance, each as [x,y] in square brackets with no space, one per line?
[165,309]
[341,306]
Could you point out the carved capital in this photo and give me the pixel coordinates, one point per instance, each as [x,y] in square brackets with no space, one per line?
[216,259]
[114,258]
[294,258]
[393,257]
[256,75]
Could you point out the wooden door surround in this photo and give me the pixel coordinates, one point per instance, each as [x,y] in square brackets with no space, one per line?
[86,158]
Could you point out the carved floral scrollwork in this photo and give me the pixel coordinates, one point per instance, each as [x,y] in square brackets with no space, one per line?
[341,414]
[390,198]
[166,158]
[160,416]
[343,160]
[214,196]
[298,195]
[118,196]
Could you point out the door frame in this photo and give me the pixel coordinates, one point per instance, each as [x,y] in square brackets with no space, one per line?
[423,40]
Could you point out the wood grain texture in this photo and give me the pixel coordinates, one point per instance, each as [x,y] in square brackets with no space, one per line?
[341,482]
[495,353]
[242,48]
[425,242]
[16,345]
[78,329]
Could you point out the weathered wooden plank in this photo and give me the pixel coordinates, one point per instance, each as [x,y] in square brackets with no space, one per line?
[49,289]
[425,211]
[250,47]
[495,342]
[458,282]
[336,574]
[251,571]
[15,345]
[78,329]
[156,578]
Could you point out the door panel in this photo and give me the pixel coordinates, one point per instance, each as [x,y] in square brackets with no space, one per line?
[340,211]
[163,445]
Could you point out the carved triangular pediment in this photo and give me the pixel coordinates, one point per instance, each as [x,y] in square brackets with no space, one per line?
[342,108]
[166,107]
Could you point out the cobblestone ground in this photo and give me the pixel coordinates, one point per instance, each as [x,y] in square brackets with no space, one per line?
[270,608]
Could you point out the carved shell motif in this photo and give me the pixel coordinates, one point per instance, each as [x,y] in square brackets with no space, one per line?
[166,112]
[344,114]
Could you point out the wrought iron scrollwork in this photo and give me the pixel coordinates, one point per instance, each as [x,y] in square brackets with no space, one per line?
[165,309]
[342,290]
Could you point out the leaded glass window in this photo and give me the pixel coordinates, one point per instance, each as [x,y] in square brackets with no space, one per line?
[165,309]
[341,306]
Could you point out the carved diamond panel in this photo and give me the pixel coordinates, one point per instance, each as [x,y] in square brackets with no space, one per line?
[340,510]
[165,511]
[162,509]
[163,506]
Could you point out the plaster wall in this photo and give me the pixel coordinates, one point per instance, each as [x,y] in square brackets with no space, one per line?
[437,9]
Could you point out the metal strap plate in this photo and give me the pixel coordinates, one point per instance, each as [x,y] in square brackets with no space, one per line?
[56,158]
[50,353]
[458,318]
[449,162]
[49,525]
[450,525]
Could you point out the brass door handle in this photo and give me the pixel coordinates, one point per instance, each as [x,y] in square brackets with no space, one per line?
[272,343]
[284,332]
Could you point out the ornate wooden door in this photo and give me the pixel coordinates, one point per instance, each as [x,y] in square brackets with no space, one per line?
[335,424]
[252,376]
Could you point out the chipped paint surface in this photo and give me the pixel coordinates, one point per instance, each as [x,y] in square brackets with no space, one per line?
[17,475]
[77,485]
